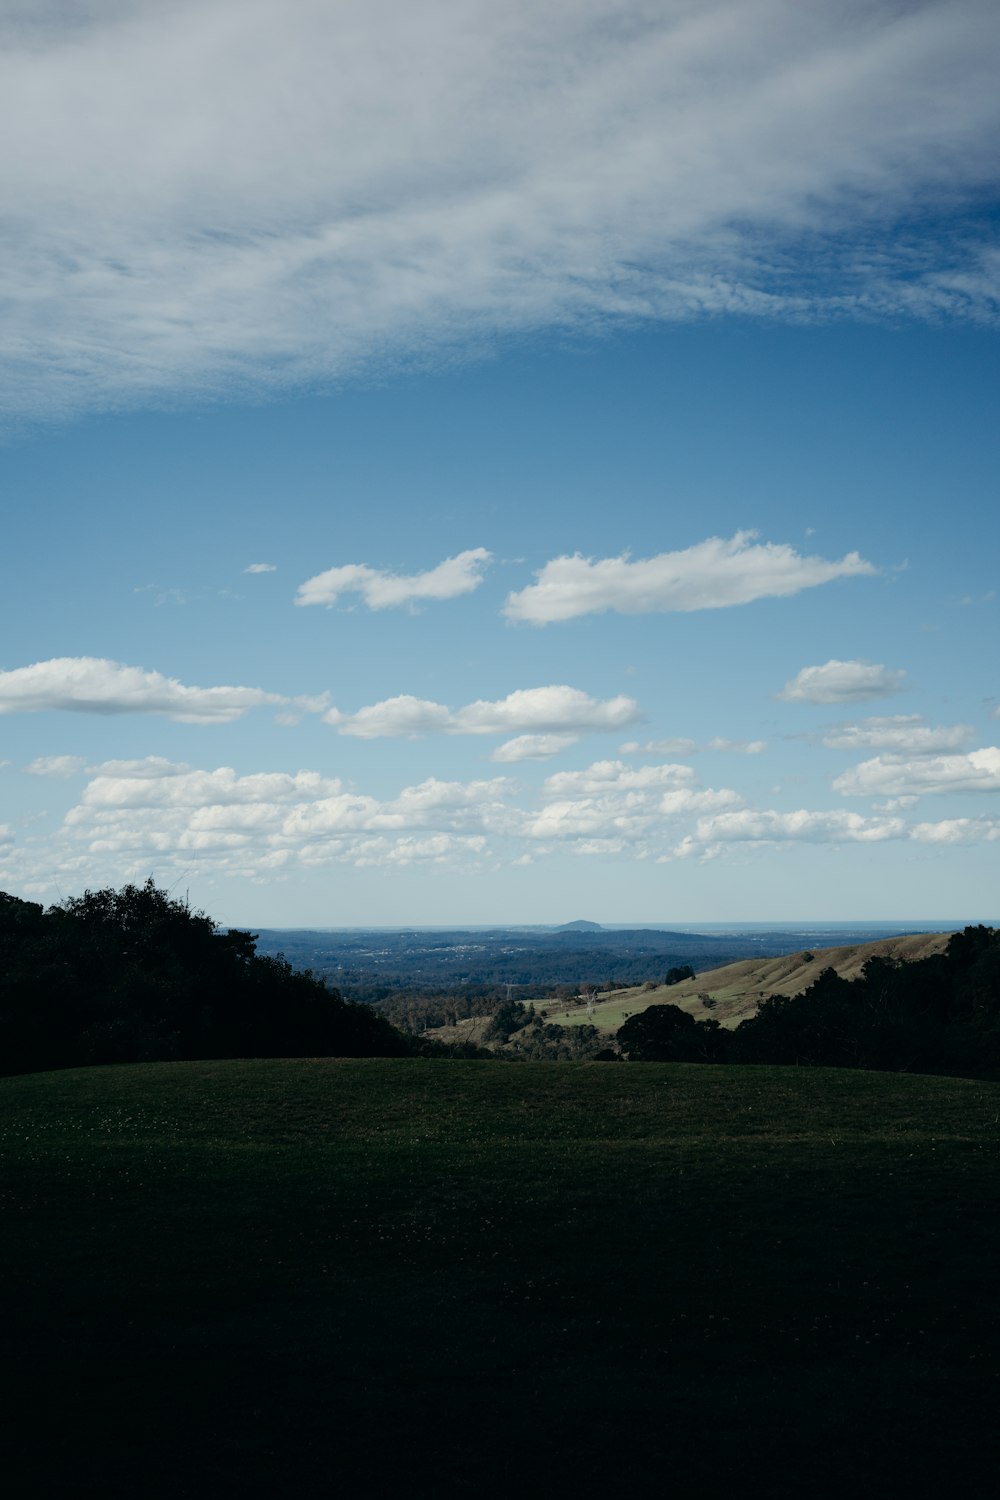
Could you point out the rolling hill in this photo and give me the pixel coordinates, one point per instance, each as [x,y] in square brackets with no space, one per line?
[736,990]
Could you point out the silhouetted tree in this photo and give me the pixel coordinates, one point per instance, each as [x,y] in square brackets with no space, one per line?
[665,1033]
[132,975]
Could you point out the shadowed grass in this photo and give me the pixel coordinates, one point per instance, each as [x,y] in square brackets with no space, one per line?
[331,1277]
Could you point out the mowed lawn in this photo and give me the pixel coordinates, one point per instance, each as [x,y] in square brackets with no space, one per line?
[369,1277]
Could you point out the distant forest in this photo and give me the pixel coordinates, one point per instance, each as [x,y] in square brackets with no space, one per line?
[372,965]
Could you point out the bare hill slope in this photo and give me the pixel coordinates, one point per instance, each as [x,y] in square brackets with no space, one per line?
[734,992]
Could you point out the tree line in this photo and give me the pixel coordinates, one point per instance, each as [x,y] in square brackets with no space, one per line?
[939,1014]
[134,976]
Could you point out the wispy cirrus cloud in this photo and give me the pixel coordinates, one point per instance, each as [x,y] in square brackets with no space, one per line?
[382,590]
[714,574]
[261,568]
[237,196]
[545,710]
[842,682]
[89,684]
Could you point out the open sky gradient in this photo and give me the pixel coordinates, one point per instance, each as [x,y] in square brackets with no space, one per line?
[470,463]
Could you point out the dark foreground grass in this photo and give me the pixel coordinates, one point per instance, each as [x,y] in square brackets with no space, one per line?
[369,1277]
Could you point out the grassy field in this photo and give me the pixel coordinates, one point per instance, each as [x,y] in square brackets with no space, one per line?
[345,1278]
[737,989]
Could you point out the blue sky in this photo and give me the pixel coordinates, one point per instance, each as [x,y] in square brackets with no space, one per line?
[464,467]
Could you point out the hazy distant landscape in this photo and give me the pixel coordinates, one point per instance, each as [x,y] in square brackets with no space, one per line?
[363,959]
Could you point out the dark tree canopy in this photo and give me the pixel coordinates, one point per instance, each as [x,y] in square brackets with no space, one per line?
[134,976]
[665,1033]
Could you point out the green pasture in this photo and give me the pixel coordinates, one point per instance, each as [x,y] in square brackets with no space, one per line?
[609,1015]
[315,1278]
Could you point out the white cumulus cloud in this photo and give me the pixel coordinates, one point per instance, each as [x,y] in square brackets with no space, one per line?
[380,590]
[895,776]
[56,765]
[179,786]
[532,747]
[676,746]
[149,767]
[681,746]
[713,574]
[402,715]
[957,831]
[617,776]
[738,747]
[436,848]
[905,734]
[556,709]
[88,684]
[134,817]
[611,799]
[842,682]
[750,825]
[138,815]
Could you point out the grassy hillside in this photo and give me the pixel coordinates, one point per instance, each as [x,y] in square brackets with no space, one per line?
[322,1278]
[737,989]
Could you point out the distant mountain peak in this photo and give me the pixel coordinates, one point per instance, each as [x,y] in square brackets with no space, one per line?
[579,927]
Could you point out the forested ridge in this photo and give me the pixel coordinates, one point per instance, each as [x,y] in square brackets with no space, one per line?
[939,1014]
[134,976]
